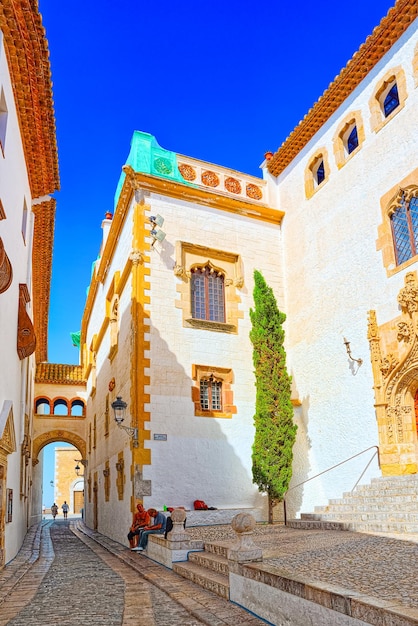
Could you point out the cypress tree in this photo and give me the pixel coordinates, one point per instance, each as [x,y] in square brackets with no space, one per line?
[275,431]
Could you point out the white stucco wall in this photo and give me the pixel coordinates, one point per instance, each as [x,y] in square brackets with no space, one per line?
[334,275]
[204,457]
[14,376]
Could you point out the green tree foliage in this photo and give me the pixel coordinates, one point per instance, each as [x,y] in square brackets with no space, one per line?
[275,431]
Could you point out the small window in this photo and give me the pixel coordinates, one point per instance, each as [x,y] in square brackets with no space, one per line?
[210,395]
[207,294]
[404,221]
[3,120]
[391,100]
[352,140]
[24,220]
[320,173]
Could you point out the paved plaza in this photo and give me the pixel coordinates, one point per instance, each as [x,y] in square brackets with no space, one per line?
[68,574]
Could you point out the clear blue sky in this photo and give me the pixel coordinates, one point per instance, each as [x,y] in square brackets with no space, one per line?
[220,81]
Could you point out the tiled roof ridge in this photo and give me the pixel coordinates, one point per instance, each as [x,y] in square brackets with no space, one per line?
[62,373]
[390,29]
[29,66]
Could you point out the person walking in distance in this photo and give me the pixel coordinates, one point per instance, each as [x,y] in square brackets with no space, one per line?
[65,508]
[54,510]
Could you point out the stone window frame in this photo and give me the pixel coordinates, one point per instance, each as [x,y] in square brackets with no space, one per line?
[389,202]
[311,184]
[341,154]
[190,255]
[223,375]
[392,76]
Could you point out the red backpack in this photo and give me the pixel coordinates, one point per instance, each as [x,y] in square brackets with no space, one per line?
[200,505]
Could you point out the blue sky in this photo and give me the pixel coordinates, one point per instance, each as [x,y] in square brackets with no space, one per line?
[220,81]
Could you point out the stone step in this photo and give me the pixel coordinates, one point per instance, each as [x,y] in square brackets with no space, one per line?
[213,562]
[220,548]
[314,524]
[212,581]
[383,516]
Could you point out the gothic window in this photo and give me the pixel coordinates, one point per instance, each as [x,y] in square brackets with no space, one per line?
[404,221]
[208,294]
[209,287]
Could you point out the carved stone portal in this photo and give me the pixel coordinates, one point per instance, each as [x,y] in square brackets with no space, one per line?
[394,358]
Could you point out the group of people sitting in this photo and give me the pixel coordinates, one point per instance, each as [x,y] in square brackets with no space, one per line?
[145,523]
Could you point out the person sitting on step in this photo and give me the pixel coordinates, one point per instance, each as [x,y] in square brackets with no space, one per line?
[157,527]
[141,519]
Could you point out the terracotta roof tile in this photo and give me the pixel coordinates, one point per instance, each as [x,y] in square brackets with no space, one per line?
[59,373]
[28,59]
[384,36]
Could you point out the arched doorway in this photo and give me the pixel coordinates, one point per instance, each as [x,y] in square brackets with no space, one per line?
[58,479]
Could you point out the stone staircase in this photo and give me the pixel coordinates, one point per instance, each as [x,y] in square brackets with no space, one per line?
[209,568]
[387,505]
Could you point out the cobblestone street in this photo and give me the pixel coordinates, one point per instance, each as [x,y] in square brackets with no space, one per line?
[76,581]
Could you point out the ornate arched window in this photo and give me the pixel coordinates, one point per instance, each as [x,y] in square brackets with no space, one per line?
[404,222]
[208,294]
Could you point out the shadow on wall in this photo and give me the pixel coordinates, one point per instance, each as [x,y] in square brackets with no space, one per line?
[301,464]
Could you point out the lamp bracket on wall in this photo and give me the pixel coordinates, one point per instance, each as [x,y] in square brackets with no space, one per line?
[347,346]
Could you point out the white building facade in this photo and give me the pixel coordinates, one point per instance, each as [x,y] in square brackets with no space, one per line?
[28,173]
[340,178]
[166,327]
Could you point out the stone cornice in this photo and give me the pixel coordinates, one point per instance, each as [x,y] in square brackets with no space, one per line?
[384,36]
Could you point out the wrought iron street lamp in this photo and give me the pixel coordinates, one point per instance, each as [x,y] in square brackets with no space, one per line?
[119,408]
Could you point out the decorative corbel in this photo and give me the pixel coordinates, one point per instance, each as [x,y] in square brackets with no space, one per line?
[26,339]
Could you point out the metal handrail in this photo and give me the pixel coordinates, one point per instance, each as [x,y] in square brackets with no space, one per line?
[331,468]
